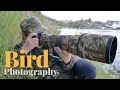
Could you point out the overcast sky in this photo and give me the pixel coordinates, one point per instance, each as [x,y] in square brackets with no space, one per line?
[77,15]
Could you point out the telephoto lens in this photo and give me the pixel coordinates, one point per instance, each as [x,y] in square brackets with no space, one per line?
[101,48]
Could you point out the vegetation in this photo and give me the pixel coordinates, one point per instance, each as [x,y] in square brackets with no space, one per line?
[99,71]
[10,32]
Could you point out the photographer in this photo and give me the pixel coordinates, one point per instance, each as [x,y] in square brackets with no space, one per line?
[69,66]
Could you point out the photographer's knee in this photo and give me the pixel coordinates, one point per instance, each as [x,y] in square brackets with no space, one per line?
[85,70]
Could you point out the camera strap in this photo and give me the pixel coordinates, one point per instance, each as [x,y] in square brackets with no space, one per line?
[78,43]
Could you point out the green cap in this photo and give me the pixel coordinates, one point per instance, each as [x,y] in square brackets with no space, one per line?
[33,24]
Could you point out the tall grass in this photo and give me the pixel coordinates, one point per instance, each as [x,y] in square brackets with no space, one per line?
[10,32]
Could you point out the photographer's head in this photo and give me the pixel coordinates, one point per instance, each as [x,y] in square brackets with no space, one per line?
[32,24]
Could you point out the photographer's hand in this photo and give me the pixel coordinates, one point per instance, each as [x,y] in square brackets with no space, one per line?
[30,43]
[65,56]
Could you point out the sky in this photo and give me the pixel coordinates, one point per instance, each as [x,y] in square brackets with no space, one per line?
[102,16]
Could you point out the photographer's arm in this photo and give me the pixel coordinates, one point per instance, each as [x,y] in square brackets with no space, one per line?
[68,60]
[30,43]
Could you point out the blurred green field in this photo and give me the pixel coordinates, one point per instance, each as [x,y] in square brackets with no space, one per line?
[10,35]
[100,73]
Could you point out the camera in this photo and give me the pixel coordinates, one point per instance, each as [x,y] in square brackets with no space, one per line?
[101,48]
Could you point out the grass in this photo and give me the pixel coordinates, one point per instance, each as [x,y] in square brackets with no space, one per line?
[10,35]
[99,71]
[10,32]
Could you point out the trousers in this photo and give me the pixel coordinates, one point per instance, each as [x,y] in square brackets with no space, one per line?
[84,70]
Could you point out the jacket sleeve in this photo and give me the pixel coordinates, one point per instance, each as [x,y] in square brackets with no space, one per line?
[17,49]
[70,65]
